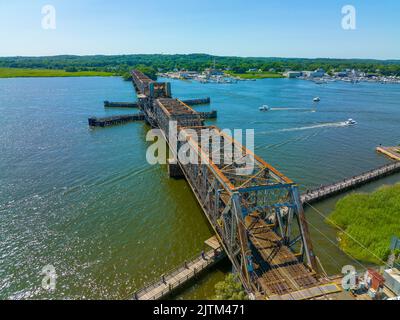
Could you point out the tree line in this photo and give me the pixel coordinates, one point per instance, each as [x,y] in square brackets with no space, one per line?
[153,63]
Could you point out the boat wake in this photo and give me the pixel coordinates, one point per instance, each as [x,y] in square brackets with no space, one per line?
[288,141]
[317,126]
[293,109]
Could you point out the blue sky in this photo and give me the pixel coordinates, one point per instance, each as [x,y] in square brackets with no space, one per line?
[279,28]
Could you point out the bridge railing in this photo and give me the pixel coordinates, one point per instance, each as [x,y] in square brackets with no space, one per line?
[212,255]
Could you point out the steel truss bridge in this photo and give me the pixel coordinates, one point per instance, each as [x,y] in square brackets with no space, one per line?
[255,211]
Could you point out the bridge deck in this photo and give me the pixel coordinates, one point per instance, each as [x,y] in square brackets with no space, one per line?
[350,183]
[279,271]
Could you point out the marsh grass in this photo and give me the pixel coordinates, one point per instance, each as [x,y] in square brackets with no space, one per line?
[369,222]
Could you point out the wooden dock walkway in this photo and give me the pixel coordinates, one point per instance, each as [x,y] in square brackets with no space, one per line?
[391,152]
[181,275]
[350,183]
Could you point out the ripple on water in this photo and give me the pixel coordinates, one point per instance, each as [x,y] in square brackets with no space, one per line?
[87,202]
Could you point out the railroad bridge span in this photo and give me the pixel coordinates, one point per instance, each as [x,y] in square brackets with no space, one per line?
[255,211]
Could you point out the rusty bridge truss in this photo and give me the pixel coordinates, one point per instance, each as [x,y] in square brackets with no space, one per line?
[255,210]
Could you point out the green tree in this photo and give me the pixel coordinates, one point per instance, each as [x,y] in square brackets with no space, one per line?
[230,289]
[148,71]
[71,69]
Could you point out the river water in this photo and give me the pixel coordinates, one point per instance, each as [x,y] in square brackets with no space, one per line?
[86,201]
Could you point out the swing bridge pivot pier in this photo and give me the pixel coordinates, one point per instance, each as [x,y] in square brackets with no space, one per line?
[255,211]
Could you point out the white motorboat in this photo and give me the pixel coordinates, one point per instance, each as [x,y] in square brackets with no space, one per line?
[351,122]
[317,99]
[264,108]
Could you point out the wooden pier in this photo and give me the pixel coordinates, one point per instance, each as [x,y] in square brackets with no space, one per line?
[118,119]
[183,274]
[350,183]
[391,152]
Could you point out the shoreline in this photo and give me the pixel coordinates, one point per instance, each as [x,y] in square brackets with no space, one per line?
[256,75]
[10,73]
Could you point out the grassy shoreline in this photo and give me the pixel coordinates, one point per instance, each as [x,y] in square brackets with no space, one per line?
[44,73]
[368,221]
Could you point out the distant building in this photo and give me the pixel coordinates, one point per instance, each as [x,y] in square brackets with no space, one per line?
[318,73]
[293,74]
[188,74]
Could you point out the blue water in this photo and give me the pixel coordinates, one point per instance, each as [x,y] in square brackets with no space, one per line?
[310,147]
[87,202]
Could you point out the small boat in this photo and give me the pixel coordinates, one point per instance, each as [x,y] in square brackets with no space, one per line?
[264,108]
[351,122]
[317,99]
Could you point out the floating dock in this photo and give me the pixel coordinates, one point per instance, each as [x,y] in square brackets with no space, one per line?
[183,274]
[350,183]
[118,119]
[391,152]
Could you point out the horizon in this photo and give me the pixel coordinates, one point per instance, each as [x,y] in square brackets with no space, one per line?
[250,29]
